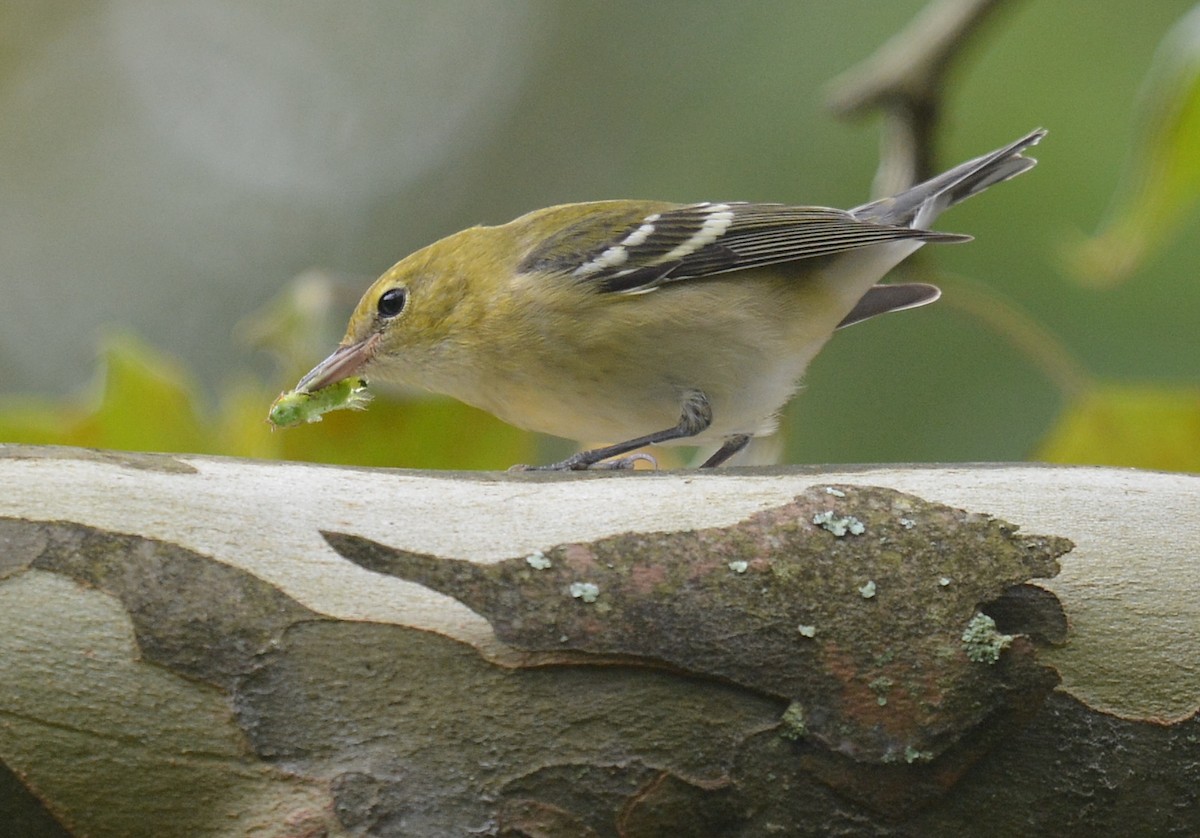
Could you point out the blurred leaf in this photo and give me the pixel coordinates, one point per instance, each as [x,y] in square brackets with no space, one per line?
[242,428]
[425,433]
[1163,179]
[148,403]
[38,421]
[145,403]
[1140,426]
[303,321]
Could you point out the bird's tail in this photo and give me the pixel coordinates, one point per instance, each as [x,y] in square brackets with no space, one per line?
[921,204]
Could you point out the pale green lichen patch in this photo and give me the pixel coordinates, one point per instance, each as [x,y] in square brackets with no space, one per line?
[585,591]
[880,686]
[792,723]
[912,755]
[538,561]
[982,641]
[299,406]
[839,525]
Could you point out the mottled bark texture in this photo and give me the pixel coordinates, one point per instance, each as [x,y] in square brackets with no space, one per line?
[198,646]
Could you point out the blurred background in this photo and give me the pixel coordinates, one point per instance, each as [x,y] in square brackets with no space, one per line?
[194,194]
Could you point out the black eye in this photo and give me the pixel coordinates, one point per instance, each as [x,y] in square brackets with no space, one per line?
[392,302]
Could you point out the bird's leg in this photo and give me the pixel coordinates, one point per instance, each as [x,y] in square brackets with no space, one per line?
[695,417]
[732,445]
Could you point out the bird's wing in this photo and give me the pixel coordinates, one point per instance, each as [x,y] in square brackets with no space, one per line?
[692,241]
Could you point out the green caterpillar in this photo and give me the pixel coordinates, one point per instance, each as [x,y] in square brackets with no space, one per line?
[298,406]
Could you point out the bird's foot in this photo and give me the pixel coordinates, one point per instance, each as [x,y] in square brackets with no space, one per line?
[584,461]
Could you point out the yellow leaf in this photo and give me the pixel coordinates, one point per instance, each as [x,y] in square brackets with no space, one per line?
[148,404]
[34,421]
[145,402]
[1162,183]
[1141,426]
[410,433]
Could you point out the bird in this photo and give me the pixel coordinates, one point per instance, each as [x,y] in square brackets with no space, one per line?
[642,322]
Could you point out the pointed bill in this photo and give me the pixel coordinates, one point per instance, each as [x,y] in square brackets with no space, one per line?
[345,361]
[333,384]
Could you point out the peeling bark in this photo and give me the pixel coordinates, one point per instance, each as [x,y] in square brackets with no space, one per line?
[184,652]
[862,632]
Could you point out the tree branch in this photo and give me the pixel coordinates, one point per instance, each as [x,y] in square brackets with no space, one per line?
[905,78]
[184,651]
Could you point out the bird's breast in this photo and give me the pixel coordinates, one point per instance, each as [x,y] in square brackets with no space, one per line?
[606,368]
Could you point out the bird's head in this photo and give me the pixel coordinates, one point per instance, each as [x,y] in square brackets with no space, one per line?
[414,319]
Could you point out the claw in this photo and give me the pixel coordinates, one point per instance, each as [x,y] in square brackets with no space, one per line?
[627,462]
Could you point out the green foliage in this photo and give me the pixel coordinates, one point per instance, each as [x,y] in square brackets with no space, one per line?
[145,402]
[142,401]
[1162,183]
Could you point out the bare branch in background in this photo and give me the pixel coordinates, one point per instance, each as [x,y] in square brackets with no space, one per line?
[904,79]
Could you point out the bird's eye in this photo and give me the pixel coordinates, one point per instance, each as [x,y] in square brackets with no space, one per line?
[392,302]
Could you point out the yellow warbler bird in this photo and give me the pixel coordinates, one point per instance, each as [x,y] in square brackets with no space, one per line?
[642,322]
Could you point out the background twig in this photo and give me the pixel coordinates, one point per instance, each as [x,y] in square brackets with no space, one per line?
[904,78]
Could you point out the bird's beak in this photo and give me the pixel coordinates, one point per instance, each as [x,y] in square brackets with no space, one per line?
[347,360]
